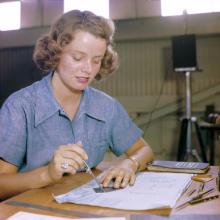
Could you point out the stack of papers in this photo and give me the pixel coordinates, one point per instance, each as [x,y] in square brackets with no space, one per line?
[152,190]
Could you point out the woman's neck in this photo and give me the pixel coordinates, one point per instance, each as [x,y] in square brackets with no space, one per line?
[62,93]
[69,100]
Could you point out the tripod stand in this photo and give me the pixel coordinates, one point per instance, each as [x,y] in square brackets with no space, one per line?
[186,150]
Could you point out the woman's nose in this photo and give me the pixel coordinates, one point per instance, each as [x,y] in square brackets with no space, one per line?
[87,67]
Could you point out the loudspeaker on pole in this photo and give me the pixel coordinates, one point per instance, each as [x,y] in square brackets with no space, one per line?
[184,53]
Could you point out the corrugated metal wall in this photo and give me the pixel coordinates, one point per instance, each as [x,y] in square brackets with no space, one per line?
[146,64]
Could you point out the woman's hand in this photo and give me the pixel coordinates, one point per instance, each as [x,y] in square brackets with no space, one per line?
[66,159]
[121,175]
[139,154]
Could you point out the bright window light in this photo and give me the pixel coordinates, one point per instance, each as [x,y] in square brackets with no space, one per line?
[177,7]
[99,7]
[10,13]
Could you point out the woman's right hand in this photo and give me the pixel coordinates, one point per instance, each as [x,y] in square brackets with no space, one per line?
[67,159]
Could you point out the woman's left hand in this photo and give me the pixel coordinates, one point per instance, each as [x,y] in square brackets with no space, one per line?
[121,175]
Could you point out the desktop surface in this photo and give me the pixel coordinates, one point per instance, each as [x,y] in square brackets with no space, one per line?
[41,201]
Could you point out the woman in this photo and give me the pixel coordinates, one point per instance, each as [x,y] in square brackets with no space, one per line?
[54,125]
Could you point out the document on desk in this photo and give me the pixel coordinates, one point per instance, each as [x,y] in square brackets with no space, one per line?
[152,190]
[32,216]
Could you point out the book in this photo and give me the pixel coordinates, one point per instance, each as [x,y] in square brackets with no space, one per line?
[178,166]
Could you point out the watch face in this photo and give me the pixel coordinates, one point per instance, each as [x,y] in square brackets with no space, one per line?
[135,161]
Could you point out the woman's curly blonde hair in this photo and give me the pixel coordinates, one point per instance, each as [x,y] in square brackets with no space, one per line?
[49,46]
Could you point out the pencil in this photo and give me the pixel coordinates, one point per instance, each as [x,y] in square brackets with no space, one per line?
[201,187]
[191,192]
[219,181]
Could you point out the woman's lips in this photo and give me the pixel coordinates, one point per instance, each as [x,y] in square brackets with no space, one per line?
[83,79]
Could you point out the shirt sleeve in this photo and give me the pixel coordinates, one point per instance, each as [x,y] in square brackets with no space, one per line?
[123,131]
[12,133]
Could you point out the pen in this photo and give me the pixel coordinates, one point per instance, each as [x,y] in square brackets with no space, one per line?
[191,192]
[219,181]
[88,169]
[195,201]
[201,187]
[202,194]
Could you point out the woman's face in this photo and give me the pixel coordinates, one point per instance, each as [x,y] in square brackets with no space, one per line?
[80,61]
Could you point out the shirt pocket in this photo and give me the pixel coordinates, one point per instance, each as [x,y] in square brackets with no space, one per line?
[96,131]
[97,152]
[97,140]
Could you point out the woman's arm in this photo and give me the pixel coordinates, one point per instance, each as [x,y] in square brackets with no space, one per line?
[12,182]
[140,154]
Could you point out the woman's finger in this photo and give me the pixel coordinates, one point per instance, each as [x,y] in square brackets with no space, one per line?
[69,166]
[118,178]
[67,159]
[132,179]
[126,180]
[74,157]
[108,177]
[76,148]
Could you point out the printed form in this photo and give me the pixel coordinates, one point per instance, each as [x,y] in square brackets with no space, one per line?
[152,190]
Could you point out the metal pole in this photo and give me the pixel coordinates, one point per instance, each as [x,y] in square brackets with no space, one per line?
[188,95]
[188,113]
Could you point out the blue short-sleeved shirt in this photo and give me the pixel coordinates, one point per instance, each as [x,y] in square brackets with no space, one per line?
[33,125]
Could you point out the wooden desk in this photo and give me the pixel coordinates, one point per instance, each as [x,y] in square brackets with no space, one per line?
[41,201]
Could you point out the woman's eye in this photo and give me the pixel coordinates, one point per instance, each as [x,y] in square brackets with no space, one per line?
[77,58]
[97,61]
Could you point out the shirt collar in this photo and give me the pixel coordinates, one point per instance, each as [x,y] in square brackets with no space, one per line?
[91,105]
[46,105]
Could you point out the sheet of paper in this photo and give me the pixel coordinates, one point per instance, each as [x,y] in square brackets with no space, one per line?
[32,216]
[152,190]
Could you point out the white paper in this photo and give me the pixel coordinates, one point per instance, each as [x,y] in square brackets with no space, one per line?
[152,190]
[32,216]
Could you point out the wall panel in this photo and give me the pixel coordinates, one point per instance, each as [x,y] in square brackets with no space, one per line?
[146,65]
[17,70]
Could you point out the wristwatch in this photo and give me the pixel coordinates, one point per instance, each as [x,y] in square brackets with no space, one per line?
[135,161]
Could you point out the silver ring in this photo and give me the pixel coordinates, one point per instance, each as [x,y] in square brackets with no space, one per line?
[64,165]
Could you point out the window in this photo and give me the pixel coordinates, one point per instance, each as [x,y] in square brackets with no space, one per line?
[99,7]
[178,7]
[10,13]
